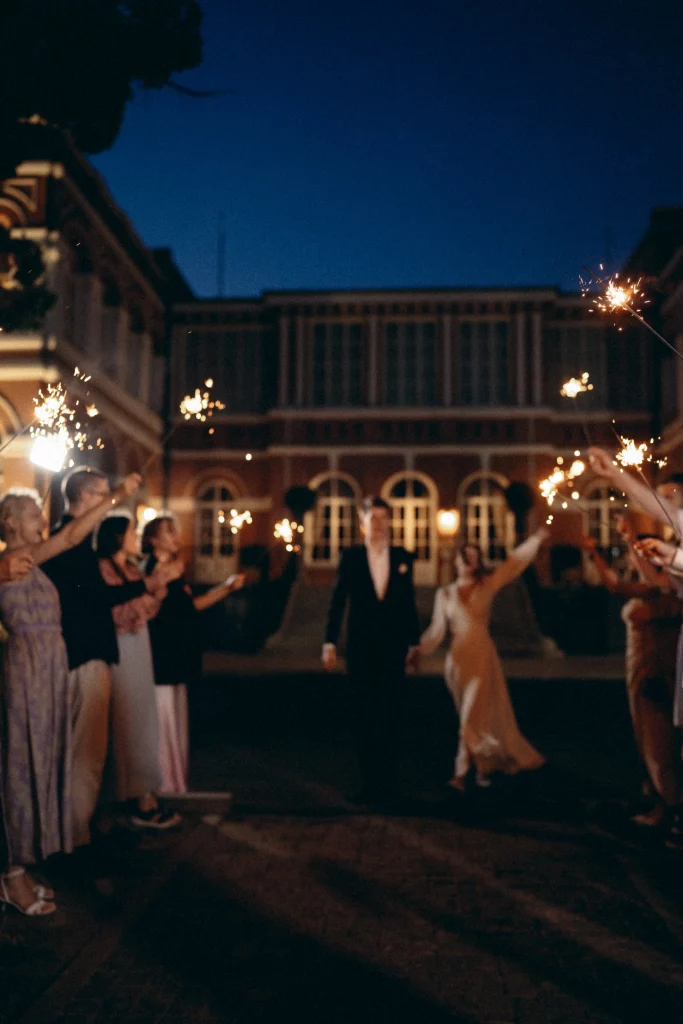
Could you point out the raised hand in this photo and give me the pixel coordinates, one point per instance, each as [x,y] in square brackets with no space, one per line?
[601,463]
[660,552]
[235,582]
[329,658]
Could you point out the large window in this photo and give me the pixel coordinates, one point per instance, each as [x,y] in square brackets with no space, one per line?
[333,523]
[413,500]
[602,509]
[568,352]
[410,364]
[216,546]
[486,519]
[337,362]
[483,367]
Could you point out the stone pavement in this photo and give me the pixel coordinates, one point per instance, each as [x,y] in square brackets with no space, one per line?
[531,904]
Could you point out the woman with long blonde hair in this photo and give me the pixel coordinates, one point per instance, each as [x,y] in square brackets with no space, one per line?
[489,737]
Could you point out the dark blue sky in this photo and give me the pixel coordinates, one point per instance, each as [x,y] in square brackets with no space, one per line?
[407,143]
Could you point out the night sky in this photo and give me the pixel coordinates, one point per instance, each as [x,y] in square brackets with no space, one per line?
[371,144]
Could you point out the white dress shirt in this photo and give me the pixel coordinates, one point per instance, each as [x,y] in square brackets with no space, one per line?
[379,565]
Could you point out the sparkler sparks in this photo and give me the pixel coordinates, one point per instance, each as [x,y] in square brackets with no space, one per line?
[238,519]
[200,405]
[56,431]
[550,487]
[576,386]
[287,531]
[631,454]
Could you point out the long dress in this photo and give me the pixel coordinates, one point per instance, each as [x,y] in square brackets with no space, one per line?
[176,650]
[652,627]
[35,724]
[489,737]
[134,719]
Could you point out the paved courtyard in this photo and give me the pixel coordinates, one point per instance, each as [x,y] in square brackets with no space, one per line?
[531,904]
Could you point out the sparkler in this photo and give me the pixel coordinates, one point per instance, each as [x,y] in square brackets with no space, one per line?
[632,455]
[238,519]
[287,531]
[57,431]
[574,387]
[550,487]
[199,406]
[620,297]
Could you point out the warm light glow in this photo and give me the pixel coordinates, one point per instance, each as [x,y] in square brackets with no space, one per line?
[617,295]
[631,454]
[49,451]
[248,456]
[576,469]
[576,386]
[448,522]
[92,410]
[238,519]
[549,487]
[200,405]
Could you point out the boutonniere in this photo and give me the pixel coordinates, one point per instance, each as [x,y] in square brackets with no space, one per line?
[403,568]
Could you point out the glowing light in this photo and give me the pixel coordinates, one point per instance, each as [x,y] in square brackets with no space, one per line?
[238,519]
[631,454]
[49,451]
[285,531]
[92,411]
[248,456]
[448,522]
[200,405]
[575,495]
[576,386]
[208,383]
[616,295]
[550,486]
[577,468]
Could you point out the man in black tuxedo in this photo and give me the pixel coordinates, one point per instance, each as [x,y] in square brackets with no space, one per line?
[377,581]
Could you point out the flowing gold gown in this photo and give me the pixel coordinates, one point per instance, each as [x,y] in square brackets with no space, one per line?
[489,737]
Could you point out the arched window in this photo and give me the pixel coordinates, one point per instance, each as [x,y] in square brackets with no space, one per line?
[216,546]
[485,517]
[414,498]
[603,507]
[333,524]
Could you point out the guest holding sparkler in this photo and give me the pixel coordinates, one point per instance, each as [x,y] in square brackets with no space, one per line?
[653,619]
[490,740]
[35,723]
[174,633]
[134,718]
[90,638]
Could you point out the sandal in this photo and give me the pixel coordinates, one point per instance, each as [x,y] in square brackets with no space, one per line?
[41,907]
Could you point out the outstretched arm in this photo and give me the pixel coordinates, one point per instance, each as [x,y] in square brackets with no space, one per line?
[216,594]
[518,560]
[78,529]
[659,508]
[611,579]
[435,632]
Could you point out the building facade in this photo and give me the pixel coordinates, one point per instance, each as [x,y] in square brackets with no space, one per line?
[108,318]
[435,399]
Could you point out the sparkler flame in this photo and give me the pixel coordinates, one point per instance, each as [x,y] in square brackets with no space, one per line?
[200,405]
[616,296]
[238,519]
[576,386]
[631,454]
[286,531]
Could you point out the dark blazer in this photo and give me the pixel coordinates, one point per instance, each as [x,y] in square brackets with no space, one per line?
[384,628]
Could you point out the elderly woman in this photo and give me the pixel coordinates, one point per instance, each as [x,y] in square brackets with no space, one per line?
[35,736]
[176,649]
[134,718]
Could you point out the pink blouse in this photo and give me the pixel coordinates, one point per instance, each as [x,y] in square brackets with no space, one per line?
[133,615]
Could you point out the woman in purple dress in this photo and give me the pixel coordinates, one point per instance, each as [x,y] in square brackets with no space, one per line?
[35,730]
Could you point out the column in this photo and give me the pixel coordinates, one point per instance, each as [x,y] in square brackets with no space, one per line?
[373,362]
[521,359]
[300,361]
[447,361]
[537,343]
[283,388]
[145,368]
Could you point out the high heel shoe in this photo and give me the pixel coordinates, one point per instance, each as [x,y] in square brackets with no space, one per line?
[39,908]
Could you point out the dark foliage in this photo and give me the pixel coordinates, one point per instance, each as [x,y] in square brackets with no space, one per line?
[76,63]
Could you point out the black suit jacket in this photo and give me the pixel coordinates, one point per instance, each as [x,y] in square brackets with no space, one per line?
[376,629]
